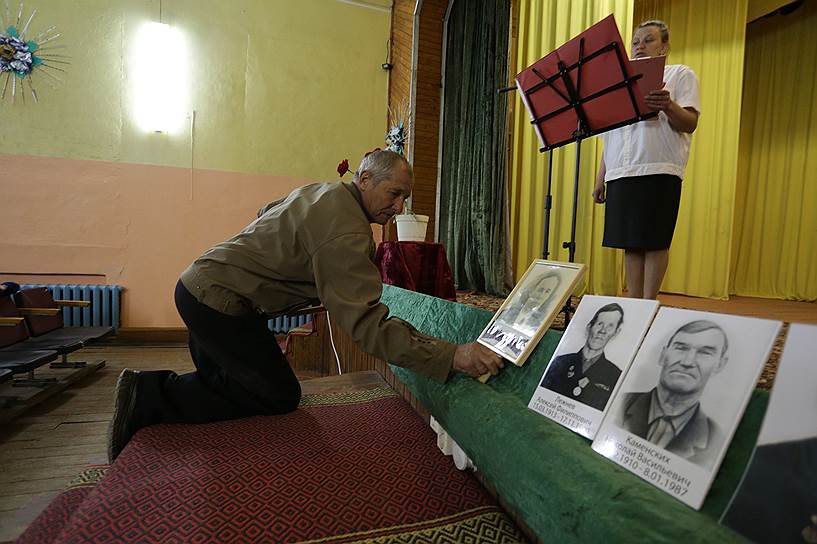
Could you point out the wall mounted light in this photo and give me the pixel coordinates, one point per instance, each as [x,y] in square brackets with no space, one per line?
[160,78]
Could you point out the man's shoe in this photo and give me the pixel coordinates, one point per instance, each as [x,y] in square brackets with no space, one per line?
[121,428]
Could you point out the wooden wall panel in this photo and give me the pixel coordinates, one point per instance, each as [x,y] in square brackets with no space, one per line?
[402,29]
[402,22]
[427,98]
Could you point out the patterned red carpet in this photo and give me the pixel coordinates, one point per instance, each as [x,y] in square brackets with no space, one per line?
[356,467]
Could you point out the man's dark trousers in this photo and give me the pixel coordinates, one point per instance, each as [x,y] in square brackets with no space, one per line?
[240,371]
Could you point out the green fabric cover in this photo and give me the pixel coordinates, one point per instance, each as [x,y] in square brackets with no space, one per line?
[563,490]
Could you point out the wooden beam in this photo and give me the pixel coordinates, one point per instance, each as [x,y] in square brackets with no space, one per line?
[39,311]
[10,321]
[79,303]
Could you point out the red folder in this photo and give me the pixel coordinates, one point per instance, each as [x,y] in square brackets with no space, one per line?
[652,73]
[587,83]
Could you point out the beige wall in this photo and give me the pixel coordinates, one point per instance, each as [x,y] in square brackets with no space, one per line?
[282,91]
[135,225]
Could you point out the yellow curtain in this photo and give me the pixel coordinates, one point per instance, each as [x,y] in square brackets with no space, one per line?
[776,208]
[543,26]
[708,37]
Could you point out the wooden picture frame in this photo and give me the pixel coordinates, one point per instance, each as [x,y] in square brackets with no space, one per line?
[529,310]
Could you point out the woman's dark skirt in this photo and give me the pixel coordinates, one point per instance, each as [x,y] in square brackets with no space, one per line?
[641,211]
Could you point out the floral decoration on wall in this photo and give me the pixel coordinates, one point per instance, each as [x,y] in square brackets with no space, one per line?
[24,56]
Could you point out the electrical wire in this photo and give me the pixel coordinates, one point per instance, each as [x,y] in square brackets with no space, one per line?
[332,341]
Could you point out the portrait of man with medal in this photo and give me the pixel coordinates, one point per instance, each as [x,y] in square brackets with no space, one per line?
[587,376]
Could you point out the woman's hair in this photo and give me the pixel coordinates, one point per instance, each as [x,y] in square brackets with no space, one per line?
[662,28]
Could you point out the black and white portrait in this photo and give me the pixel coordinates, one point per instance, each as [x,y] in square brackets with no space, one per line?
[529,305]
[777,499]
[670,414]
[587,375]
[595,351]
[606,343]
[684,395]
[530,308]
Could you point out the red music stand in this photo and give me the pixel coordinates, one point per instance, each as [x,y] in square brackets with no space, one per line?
[585,87]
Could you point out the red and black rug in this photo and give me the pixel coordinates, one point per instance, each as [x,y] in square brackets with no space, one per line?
[355,467]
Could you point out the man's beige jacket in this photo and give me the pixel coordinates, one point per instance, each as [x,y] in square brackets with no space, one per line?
[314,246]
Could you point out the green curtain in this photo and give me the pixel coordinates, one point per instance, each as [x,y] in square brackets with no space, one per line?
[473,222]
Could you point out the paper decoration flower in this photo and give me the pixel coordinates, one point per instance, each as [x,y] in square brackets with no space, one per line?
[397,135]
[396,138]
[16,55]
[18,61]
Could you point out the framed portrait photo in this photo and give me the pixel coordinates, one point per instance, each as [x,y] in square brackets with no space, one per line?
[683,397]
[594,354]
[529,310]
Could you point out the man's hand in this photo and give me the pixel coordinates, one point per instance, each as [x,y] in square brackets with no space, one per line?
[475,360]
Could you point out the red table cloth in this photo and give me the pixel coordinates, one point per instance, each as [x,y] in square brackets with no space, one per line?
[417,266]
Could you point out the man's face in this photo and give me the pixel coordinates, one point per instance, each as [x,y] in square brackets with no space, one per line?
[605,327]
[690,359]
[647,43]
[386,198]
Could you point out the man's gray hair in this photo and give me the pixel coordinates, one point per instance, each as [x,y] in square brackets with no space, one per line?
[662,28]
[380,165]
[701,325]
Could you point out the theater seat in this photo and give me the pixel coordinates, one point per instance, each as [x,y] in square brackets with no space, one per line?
[20,353]
[16,337]
[37,306]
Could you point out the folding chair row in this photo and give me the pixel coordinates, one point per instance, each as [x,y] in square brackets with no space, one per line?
[26,362]
[32,335]
[21,354]
[43,317]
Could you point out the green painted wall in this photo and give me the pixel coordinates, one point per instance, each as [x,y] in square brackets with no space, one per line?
[282,87]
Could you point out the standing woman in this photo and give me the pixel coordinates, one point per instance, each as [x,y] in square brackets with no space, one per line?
[643,165]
